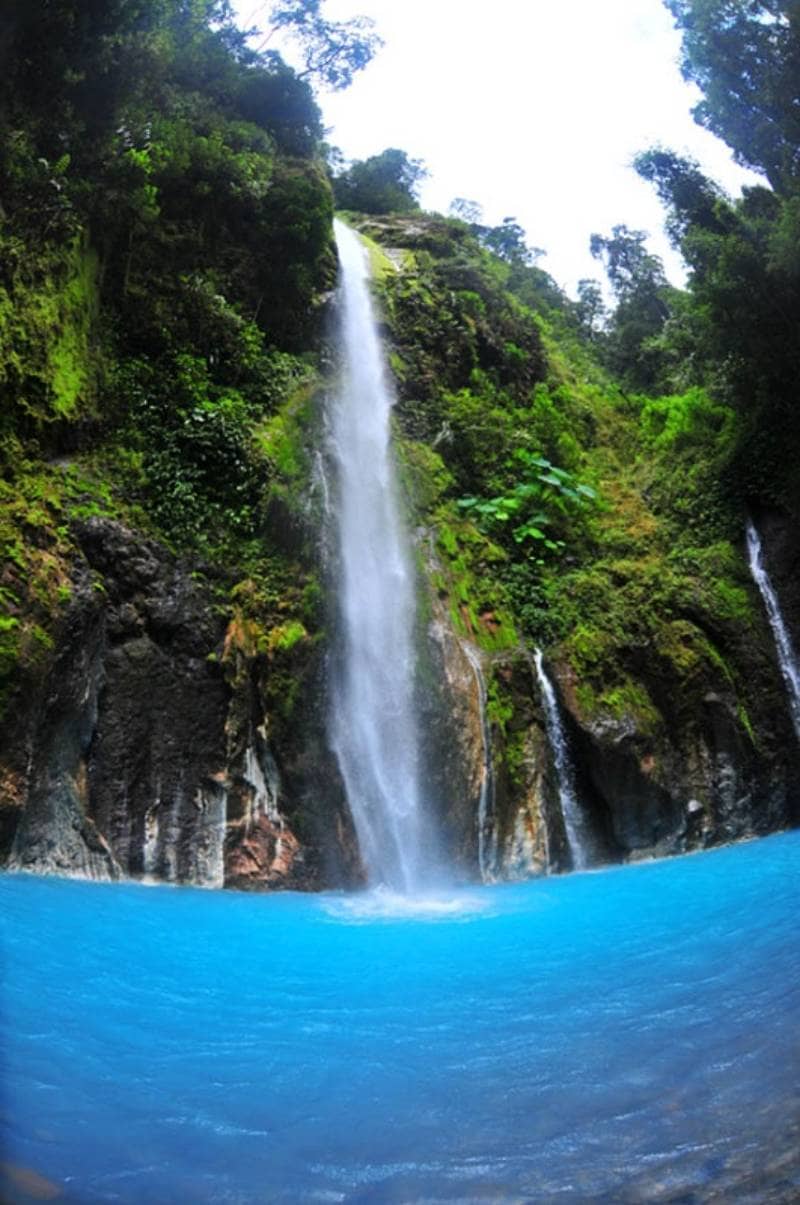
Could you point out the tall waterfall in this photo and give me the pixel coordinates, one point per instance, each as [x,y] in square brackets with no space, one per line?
[373,727]
[574,822]
[787,658]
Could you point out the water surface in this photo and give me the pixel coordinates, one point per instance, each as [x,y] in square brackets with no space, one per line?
[625,1035]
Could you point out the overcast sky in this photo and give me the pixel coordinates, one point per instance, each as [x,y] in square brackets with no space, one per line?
[533,109]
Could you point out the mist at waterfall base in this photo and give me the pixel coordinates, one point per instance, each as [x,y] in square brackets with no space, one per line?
[623,1035]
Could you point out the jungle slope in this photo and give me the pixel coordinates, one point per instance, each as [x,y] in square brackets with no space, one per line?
[165,260]
[602,526]
[166,267]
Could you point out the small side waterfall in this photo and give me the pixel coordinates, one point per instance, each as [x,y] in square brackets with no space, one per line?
[373,725]
[787,658]
[487,828]
[574,823]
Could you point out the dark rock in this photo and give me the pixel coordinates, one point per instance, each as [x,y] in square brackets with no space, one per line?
[54,832]
[154,746]
[141,757]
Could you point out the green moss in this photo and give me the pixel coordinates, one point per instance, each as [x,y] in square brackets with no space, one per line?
[477,604]
[380,264]
[423,475]
[397,365]
[70,355]
[286,440]
[744,721]
[589,647]
[733,602]
[508,733]
[499,707]
[50,366]
[514,756]
[38,503]
[715,657]
[279,440]
[630,698]
[626,699]
[285,636]
[447,539]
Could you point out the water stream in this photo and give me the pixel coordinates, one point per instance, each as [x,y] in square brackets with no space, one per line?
[787,658]
[373,725]
[487,829]
[574,822]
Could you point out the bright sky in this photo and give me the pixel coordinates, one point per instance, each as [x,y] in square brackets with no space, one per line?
[533,109]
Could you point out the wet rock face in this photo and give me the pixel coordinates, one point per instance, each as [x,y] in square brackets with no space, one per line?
[700,772]
[140,757]
[699,778]
[142,754]
[158,748]
[523,834]
[288,823]
[780,539]
[531,839]
[52,830]
[452,745]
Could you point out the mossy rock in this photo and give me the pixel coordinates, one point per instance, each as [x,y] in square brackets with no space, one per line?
[51,362]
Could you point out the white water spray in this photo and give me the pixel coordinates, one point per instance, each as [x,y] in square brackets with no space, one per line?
[487,829]
[373,724]
[787,658]
[574,823]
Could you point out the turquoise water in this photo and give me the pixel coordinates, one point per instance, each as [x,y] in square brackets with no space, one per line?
[626,1035]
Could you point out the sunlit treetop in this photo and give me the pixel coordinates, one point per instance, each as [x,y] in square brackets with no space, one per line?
[745,57]
[332,51]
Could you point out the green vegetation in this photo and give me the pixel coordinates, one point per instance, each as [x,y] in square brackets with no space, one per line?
[165,255]
[165,242]
[385,183]
[544,495]
[567,513]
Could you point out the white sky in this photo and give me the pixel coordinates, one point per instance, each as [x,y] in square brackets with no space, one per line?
[533,109]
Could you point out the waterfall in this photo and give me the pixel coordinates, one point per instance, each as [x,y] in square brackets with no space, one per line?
[786,654]
[574,822]
[373,727]
[487,831]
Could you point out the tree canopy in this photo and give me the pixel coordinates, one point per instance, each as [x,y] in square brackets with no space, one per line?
[642,293]
[744,55]
[332,51]
[384,183]
[737,328]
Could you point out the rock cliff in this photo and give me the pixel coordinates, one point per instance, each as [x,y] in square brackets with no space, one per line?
[145,748]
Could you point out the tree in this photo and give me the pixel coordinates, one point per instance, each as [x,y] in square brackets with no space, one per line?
[507,241]
[690,197]
[466,210]
[630,267]
[740,322]
[745,57]
[272,96]
[332,51]
[590,308]
[737,327]
[385,183]
[743,259]
[641,288]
